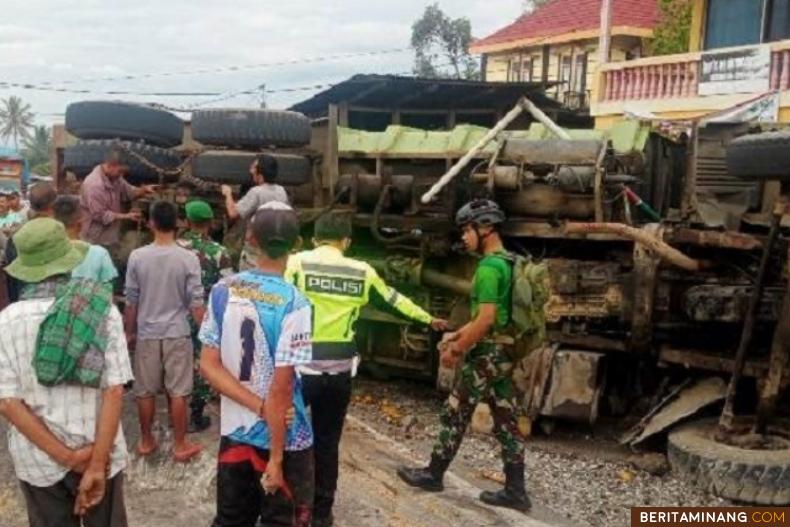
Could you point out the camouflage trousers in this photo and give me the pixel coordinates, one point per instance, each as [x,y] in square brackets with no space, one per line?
[201,390]
[485,376]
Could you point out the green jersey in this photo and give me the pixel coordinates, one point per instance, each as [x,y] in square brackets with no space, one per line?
[492,284]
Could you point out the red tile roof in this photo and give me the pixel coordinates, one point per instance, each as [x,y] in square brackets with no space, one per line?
[558,17]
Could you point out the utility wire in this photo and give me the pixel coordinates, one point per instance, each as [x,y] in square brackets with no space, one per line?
[38,87]
[48,86]
[224,96]
[226,69]
[256,90]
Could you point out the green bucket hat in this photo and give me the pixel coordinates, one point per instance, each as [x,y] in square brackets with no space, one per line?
[44,250]
[199,211]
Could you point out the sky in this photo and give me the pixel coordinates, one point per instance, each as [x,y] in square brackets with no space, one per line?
[88,44]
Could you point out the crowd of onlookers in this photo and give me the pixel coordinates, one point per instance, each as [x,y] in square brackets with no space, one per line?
[275,341]
[71,346]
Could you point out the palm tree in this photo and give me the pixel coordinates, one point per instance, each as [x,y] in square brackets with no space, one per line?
[16,119]
[37,146]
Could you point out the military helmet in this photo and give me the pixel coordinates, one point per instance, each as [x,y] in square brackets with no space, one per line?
[480,212]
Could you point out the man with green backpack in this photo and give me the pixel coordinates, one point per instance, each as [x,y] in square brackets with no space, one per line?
[508,294]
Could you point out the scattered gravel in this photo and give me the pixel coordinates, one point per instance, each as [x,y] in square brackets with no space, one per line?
[588,479]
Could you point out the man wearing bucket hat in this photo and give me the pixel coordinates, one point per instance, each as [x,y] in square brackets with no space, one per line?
[62,390]
[215,263]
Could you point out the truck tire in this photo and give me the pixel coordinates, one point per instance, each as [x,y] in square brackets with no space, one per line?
[751,476]
[250,128]
[123,120]
[82,157]
[758,157]
[233,168]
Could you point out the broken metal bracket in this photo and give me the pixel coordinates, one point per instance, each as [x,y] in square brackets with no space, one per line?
[645,271]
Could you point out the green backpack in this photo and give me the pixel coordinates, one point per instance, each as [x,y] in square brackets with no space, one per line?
[530,292]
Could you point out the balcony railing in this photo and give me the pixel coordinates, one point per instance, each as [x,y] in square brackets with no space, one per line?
[674,76]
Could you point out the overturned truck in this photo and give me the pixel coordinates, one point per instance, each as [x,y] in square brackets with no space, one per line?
[659,256]
[668,272]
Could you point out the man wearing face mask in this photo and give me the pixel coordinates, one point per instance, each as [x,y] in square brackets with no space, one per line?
[486,369]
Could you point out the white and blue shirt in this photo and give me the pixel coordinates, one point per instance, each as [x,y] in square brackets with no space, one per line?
[259,322]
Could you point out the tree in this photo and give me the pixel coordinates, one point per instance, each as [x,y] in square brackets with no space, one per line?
[671,35]
[529,6]
[16,119]
[37,147]
[436,37]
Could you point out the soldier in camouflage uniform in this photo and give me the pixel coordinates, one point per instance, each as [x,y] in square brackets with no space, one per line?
[215,263]
[486,370]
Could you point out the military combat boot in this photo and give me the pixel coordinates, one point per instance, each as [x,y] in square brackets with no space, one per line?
[197,420]
[429,478]
[514,495]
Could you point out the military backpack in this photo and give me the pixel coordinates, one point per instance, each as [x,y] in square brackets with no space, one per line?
[529,292]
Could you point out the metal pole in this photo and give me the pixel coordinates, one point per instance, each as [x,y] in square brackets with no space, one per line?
[452,283]
[777,363]
[727,415]
[688,202]
[538,114]
[523,104]
[262,89]
[461,163]
[642,236]
[605,37]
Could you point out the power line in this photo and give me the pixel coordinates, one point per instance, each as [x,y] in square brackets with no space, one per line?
[256,90]
[49,88]
[225,96]
[228,69]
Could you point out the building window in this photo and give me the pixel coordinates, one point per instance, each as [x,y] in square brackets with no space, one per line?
[580,78]
[526,69]
[733,23]
[777,23]
[745,22]
[564,75]
[520,69]
[513,69]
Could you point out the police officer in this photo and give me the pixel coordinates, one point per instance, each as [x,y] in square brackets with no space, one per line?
[338,287]
[486,371]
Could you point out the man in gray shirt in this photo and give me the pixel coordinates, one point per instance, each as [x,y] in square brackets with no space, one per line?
[264,174]
[162,287]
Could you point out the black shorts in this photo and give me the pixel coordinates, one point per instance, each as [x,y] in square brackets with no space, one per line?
[240,497]
[53,506]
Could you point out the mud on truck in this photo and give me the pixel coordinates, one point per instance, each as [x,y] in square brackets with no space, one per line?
[666,253]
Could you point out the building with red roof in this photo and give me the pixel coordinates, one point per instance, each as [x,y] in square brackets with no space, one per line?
[558,42]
